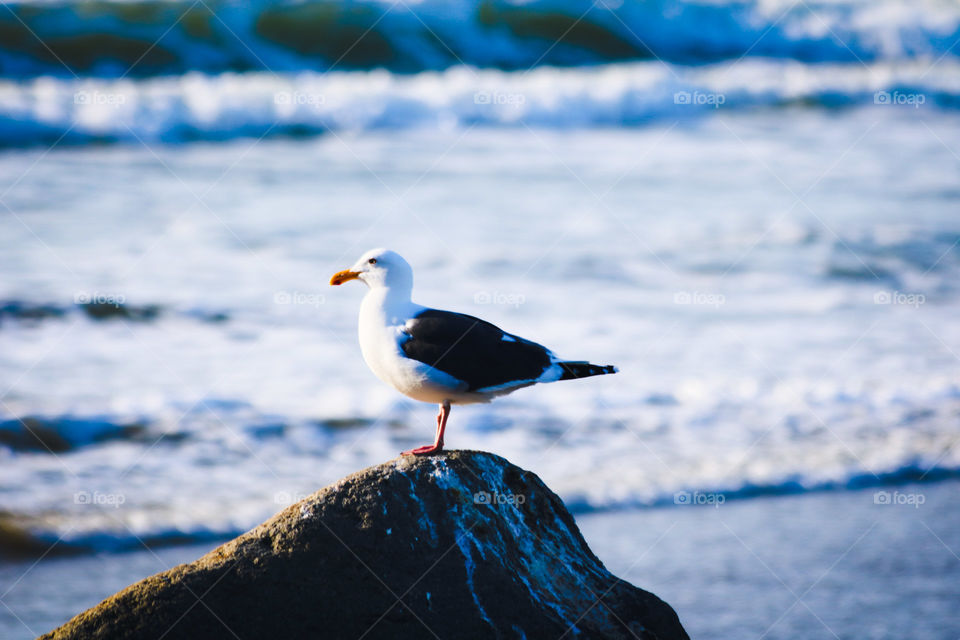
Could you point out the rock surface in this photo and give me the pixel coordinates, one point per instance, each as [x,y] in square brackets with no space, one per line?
[458,545]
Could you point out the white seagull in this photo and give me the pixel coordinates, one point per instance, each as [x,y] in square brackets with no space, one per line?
[440,356]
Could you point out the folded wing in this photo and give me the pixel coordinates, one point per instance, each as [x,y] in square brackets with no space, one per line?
[472,350]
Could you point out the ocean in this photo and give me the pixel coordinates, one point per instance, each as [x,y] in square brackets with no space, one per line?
[751,208]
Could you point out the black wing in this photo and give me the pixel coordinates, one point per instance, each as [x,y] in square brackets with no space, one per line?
[473,350]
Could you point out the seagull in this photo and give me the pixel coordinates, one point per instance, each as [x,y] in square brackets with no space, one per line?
[441,356]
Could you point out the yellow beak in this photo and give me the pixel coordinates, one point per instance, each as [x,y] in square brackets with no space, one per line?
[344,276]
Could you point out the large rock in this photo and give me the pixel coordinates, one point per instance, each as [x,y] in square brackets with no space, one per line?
[459,545]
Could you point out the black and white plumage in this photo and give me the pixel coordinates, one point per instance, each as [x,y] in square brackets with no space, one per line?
[442,356]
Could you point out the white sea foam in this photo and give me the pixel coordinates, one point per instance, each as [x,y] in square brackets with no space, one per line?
[197,106]
[800,377]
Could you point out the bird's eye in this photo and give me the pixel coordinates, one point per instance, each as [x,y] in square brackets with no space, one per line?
[372,261]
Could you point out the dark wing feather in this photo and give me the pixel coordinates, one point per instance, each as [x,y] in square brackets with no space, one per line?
[472,350]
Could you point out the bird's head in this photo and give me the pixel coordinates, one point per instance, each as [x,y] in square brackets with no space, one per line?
[378,268]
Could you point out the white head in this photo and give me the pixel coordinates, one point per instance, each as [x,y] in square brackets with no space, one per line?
[378,268]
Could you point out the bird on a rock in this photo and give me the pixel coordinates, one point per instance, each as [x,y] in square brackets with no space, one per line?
[441,356]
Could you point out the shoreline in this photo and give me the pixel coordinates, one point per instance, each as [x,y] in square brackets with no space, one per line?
[854,564]
[720,566]
[19,543]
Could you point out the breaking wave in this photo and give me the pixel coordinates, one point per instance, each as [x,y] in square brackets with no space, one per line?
[151,37]
[229,105]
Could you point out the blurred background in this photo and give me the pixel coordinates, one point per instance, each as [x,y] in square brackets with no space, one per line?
[751,207]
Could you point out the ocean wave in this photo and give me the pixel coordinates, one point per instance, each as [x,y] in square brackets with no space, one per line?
[202,107]
[148,37]
[96,309]
[57,435]
[699,496]
[177,481]
[64,433]
[21,540]
[115,528]
[900,261]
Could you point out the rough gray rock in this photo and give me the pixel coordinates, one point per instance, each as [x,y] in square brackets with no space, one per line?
[458,545]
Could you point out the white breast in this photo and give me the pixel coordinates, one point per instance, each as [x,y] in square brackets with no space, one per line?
[381,334]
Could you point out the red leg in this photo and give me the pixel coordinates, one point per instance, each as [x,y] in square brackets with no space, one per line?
[437,445]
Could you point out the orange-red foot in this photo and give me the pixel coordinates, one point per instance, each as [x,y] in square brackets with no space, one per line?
[426,449]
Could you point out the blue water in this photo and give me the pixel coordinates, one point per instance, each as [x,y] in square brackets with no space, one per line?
[169,71]
[750,208]
[148,37]
[813,566]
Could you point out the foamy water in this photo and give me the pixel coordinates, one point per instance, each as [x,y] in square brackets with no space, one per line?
[781,302]
[196,106]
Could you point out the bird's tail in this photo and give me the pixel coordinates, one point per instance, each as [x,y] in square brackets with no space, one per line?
[572,370]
